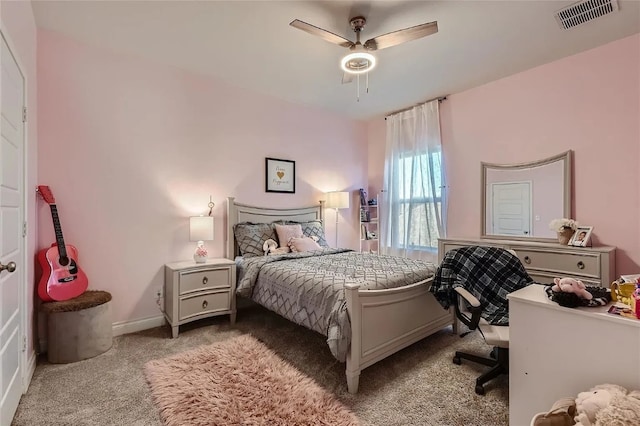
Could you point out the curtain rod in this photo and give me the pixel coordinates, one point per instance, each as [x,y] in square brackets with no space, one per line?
[440,98]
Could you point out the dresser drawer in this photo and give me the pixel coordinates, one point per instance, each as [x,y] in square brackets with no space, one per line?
[208,279]
[586,264]
[204,304]
[448,246]
[543,278]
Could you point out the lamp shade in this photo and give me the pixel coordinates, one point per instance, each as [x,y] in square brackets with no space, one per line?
[337,200]
[201,228]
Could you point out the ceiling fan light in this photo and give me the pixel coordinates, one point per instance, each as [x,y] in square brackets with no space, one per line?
[358,62]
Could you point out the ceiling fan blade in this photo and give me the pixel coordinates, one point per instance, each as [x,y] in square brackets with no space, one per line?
[324,34]
[347,78]
[401,36]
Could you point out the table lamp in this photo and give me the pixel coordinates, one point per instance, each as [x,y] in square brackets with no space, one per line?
[200,230]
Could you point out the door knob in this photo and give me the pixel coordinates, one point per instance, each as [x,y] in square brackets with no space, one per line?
[11,266]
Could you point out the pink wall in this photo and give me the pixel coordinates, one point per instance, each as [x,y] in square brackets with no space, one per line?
[589,102]
[376,136]
[18,26]
[131,149]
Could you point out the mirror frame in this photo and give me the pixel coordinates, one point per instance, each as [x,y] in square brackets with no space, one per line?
[565,157]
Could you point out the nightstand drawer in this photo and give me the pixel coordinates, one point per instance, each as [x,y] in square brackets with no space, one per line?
[563,263]
[204,304]
[204,280]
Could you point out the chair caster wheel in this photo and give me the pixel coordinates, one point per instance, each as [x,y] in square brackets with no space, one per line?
[480,389]
[456,360]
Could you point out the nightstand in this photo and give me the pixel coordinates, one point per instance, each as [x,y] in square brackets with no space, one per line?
[193,291]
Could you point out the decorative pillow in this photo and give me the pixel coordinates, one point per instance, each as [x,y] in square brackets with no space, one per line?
[313,228]
[303,244]
[287,232]
[252,236]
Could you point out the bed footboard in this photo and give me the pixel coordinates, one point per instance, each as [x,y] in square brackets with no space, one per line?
[385,321]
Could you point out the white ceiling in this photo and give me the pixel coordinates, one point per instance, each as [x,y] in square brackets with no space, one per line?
[250,43]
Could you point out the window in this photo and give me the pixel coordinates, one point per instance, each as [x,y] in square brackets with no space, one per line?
[415,197]
[419,203]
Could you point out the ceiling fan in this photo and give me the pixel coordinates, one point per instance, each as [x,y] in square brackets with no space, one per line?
[360,60]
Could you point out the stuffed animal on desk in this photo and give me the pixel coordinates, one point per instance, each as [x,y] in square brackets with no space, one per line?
[571,285]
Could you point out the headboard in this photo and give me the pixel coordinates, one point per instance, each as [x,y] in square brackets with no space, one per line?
[237,213]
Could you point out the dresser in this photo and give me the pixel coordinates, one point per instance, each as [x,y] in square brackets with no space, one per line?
[594,266]
[199,290]
[557,352]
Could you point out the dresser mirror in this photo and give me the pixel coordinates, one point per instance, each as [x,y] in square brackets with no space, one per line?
[520,200]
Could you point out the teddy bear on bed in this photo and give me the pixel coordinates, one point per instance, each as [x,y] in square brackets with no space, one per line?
[270,247]
[571,285]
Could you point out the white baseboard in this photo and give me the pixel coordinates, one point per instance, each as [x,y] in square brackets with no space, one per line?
[126,327]
[30,368]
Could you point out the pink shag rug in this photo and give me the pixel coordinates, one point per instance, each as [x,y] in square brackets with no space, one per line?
[239,382]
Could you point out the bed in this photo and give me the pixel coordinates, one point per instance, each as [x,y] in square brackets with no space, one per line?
[379,322]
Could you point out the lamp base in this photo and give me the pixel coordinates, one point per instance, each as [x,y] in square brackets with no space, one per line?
[199,259]
[201,254]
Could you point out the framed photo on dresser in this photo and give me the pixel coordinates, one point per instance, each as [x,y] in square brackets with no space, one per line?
[581,237]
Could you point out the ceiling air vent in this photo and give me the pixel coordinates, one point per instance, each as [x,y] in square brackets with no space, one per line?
[584,11]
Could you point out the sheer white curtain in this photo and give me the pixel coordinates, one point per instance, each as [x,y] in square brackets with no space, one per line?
[414,201]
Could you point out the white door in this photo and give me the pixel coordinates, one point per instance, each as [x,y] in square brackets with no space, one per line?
[11,238]
[511,203]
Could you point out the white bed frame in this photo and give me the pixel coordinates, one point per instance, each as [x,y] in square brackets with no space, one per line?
[382,321]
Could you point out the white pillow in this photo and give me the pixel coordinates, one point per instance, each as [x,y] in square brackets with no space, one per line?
[287,232]
[303,244]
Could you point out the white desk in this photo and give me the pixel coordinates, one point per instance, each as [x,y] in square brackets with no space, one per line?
[557,352]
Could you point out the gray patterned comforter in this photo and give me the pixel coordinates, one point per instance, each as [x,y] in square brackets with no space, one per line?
[308,288]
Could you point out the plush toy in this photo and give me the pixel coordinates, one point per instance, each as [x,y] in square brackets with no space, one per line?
[589,404]
[561,414]
[270,247]
[623,410]
[571,285]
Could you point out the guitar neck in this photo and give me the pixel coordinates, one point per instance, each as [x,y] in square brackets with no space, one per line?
[58,229]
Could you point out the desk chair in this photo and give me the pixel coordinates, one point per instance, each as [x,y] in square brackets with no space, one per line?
[495,335]
[489,273]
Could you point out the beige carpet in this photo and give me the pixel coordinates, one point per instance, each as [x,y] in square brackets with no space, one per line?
[239,382]
[419,385]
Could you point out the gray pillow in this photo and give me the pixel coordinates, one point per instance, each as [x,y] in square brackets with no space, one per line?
[313,228]
[251,236]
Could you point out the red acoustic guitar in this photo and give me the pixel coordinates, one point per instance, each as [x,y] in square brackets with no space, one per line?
[62,278]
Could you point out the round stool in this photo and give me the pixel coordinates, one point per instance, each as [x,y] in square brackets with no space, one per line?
[79,328]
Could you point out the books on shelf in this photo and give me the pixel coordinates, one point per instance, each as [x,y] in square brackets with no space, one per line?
[363,197]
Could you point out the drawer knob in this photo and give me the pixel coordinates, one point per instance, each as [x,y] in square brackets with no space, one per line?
[581,265]
[205,304]
[205,280]
[527,260]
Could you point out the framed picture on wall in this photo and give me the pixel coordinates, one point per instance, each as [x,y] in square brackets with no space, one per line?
[581,237]
[280,175]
